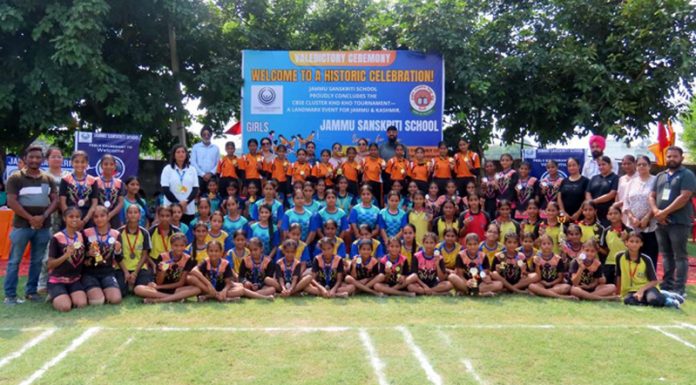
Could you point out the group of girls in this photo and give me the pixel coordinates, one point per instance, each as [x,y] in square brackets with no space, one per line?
[329,229]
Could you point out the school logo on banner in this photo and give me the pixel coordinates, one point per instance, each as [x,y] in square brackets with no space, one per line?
[422,100]
[85,137]
[120,167]
[267,100]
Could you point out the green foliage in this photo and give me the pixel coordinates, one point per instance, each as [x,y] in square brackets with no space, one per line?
[688,120]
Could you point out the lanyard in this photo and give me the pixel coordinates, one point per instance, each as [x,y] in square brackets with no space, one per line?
[632,272]
[165,244]
[105,242]
[328,270]
[181,174]
[107,189]
[68,239]
[80,185]
[131,246]
[215,274]
[288,270]
[255,270]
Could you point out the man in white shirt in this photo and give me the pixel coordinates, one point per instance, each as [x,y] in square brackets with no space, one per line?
[204,158]
[597,145]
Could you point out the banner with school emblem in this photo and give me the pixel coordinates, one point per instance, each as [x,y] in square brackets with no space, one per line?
[125,149]
[539,157]
[342,96]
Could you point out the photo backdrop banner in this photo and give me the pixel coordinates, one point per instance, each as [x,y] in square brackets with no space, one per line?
[124,147]
[539,157]
[341,96]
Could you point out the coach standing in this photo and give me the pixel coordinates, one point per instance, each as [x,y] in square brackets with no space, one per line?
[387,150]
[671,205]
[33,196]
[204,158]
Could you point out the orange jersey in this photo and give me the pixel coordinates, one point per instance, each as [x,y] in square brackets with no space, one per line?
[442,167]
[397,168]
[372,169]
[326,171]
[227,168]
[464,163]
[280,169]
[251,165]
[350,170]
[300,172]
[419,171]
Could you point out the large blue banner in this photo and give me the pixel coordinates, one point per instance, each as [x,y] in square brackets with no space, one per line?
[342,96]
[539,157]
[12,164]
[125,149]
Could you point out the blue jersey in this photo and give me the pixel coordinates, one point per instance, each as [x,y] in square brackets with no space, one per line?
[360,215]
[377,250]
[261,232]
[231,226]
[141,207]
[346,202]
[276,210]
[392,223]
[339,216]
[304,219]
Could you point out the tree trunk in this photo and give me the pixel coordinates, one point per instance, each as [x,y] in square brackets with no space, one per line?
[177,128]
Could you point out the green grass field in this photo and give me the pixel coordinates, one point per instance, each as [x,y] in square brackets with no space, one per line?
[363,340]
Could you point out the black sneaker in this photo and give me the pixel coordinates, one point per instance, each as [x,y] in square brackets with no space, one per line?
[11,301]
[34,298]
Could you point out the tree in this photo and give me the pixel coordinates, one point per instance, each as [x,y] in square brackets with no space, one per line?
[688,120]
[96,64]
[607,67]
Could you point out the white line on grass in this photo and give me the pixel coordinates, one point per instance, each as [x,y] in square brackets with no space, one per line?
[377,364]
[300,329]
[688,326]
[465,361]
[73,345]
[673,336]
[420,356]
[34,341]
[470,369]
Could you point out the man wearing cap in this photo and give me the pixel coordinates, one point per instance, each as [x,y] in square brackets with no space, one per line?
[204,158]
[597,145]
[387,150]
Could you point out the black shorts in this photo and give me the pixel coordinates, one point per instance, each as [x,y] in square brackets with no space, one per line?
[431,283]
[55,290]
[101,281]
[144,277]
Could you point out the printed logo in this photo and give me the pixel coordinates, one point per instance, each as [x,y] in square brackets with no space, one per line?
[120,167]
[85,137]
[267,100]
[422,99]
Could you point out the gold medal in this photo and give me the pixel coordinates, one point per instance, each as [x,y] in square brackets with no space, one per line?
[183,189]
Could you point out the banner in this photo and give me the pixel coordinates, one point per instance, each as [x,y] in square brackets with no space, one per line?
[538,158]
[341,96]
[125,149]
[11,162]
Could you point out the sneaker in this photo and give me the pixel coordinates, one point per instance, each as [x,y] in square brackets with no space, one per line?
[34,298]
[11,301]
[681,297]
[671,302]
